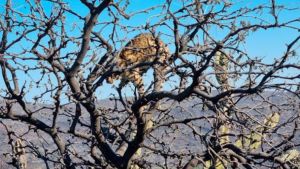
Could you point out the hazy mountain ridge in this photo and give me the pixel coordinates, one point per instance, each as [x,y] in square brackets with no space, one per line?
[192,106]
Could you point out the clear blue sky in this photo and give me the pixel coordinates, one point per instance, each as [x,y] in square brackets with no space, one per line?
[264,44]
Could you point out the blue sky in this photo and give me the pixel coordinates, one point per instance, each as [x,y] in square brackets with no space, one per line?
[264,44]
[261,43]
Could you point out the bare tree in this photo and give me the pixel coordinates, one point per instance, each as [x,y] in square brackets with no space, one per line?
[103,84]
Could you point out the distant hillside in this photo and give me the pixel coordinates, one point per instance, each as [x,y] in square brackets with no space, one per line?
[186,109]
